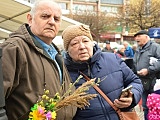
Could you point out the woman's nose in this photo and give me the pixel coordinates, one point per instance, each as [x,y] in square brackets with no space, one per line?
[81,45]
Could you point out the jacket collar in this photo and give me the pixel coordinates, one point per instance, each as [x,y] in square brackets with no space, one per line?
[145,47]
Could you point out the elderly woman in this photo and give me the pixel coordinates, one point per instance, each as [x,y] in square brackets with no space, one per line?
[84,56]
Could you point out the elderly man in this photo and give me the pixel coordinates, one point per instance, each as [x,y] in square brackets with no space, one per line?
[32,63]
[146,71]
[107,48]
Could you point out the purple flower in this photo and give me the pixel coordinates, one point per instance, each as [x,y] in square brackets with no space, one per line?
[49,115]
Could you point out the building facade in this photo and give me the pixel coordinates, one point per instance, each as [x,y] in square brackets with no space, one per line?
[106,6]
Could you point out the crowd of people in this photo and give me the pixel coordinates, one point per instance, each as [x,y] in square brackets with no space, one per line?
[144,60]
[124,50]
[32,63]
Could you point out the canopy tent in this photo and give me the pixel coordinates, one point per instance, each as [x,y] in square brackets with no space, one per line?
[12,15]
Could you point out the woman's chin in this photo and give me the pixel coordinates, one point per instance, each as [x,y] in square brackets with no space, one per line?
[83,59]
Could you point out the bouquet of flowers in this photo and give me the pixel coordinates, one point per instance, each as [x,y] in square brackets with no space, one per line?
[46,107]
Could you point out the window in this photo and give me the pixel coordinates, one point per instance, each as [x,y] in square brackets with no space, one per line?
[112,1]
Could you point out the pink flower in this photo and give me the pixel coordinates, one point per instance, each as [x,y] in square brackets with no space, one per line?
[49,116]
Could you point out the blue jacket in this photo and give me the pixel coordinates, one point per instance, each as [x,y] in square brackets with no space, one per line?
[129,52]
[115,74]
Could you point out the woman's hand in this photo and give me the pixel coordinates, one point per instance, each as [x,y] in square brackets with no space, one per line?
[124,101]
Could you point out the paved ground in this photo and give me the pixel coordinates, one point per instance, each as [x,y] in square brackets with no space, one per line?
[139,111]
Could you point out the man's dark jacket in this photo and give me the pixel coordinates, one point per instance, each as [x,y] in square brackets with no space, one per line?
[141,60]
[2,100]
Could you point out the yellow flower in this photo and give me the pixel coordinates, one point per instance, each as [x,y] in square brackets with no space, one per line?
[54,114]
[46,107]
[37,114]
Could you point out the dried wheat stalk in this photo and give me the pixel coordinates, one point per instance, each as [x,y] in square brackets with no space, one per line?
[79,98]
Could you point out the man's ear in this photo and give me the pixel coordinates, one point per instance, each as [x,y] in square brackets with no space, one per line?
[29,18]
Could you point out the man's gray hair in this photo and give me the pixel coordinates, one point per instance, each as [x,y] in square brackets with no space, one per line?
[36,4]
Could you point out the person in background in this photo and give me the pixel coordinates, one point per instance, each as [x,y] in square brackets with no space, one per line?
[134,48]
[128,61]
[108,47]
[128,50]
[153,102]
[146,50]
[32,63]
[120,51]
[84,56]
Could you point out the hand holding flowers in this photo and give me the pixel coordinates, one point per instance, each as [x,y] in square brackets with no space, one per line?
[46,107]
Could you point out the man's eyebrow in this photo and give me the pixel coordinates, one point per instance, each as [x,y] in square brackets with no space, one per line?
[45,12]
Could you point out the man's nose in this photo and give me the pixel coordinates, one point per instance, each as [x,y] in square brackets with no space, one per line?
[51,20]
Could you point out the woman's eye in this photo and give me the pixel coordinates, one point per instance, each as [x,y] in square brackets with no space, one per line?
[85,41]
[74,43]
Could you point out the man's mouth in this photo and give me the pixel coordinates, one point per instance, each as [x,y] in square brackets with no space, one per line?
[50,29]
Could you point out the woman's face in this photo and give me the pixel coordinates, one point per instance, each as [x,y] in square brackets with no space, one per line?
[80,49]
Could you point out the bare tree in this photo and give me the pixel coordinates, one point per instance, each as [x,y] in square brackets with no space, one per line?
[98,22]
[141,14]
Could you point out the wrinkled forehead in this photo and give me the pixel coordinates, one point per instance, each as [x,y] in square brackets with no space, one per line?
[48,6]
